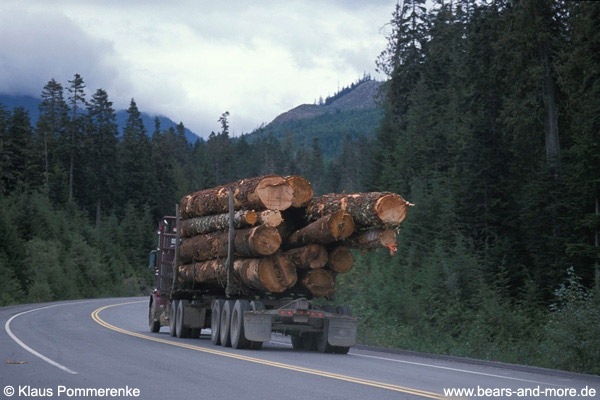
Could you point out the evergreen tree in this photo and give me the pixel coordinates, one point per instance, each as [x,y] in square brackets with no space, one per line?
[51,124]
[134,154]
[102,152]
[76,101]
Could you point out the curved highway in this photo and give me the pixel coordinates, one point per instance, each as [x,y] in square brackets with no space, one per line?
[102,348]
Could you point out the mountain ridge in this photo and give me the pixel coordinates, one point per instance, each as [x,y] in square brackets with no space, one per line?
[31,104]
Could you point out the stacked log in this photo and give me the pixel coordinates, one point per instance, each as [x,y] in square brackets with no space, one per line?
[285,241]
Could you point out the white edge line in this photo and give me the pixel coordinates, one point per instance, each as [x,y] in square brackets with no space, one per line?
[439,366]
[454,369]
[29,349]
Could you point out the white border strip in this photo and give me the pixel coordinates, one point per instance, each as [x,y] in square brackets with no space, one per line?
[29,349]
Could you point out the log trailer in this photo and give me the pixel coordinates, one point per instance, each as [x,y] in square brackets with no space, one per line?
[237,320]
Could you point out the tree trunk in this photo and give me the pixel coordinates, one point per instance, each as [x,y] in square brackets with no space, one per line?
[197,226]
[374,209]
[251,242]
[308,257]
[371,239]
[340,260]
[261,274]
[327,229]
[302,189]
[270,218]
[319,282]
[260,193]
[551,111]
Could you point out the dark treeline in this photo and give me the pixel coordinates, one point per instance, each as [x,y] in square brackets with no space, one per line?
[492,128]
[80,204]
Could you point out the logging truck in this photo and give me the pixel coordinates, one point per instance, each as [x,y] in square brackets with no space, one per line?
[236,318]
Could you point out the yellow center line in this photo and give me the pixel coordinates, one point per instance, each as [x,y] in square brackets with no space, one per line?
[417,392]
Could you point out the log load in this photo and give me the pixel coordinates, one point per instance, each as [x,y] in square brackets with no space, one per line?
[330,228]
[371,239]
[252,242]
[263,274]
[302,190]
[270,218]
[319,282]
[312,256]
[260,193]
[340,259]
[374,209]
[197,226]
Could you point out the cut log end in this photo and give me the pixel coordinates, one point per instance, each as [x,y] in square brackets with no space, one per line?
[302,189]
[275,275]
[341,225]
[319,282]
[388,238]
[391,209]
[341,260]
[317,256]
[251,217]
[275,193]
[265,240]
[270,218]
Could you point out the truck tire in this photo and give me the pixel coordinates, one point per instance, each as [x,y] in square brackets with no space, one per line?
[238,335]
[344,310]
[173,317]
[181,330]
[154,325]
[195,333]
[225,328]
[298,342]
[322,344]
[256,306]
[215,321]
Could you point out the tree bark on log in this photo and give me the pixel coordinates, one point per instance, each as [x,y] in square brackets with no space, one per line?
[330,228]
[252,242]
[262,274]
[260,193]
[312,256]
[303,191]
[270,218]
[211,223]
[374,209]
[319,282]
[340,260]
[371,239]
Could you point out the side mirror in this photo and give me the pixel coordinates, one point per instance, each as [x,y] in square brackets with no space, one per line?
[152,263]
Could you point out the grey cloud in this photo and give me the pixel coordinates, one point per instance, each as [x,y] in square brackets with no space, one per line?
[39,46]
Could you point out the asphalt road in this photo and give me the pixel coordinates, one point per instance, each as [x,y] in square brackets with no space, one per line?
[105,343]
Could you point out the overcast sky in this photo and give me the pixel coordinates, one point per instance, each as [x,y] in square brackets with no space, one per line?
[192,60]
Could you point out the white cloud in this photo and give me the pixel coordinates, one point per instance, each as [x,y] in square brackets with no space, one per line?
[193,60]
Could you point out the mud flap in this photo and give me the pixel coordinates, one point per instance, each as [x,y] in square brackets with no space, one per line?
[257,328]
[342,332]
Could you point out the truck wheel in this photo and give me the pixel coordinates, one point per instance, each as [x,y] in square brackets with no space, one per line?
[215,321]
[181,330]
[310,341]
[298,342]
[341,349]
[195,333]
[173,317]
[256,306]
[226,323]
[322,344]
[154,325]
[238,334]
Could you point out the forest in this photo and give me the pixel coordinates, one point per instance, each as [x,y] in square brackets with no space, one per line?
[490,126]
